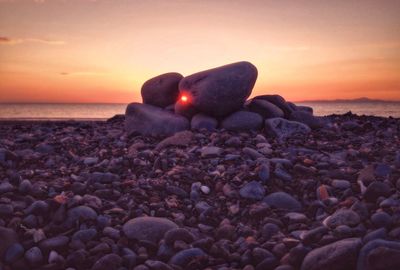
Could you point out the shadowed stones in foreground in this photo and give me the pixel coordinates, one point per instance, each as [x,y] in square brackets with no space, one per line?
[149,120]
[222,90]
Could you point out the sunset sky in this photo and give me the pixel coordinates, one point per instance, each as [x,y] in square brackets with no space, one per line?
[103,50]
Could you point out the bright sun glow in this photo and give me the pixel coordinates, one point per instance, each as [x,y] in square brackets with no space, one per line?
[184,98]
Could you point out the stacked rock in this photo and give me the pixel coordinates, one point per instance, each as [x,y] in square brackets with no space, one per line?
[214,98]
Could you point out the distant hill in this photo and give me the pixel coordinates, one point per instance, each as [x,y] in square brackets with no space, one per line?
[355,100]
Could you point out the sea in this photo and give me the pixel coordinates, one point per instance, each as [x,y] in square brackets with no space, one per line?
[105,111]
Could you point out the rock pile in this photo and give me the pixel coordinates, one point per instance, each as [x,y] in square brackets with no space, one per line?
[215,98]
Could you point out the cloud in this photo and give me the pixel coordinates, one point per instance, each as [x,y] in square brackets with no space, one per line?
[82,73]
[14,41]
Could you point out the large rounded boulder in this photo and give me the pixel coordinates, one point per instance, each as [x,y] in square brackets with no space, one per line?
[162,90]
[220,91]
[146,119]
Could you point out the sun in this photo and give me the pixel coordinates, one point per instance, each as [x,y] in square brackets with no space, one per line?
[184,98]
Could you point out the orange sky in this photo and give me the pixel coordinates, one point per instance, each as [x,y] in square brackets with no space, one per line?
[103,50]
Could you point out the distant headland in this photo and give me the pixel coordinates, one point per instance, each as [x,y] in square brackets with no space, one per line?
[360,100]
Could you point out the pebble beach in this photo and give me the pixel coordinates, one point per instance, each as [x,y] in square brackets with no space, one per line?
[86,195]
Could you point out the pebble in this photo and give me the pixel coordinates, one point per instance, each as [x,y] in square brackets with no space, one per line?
[205,189]
[283,200]
[54,243]
[341,184]
[342,217]
[210,151]
[34,256]
[253,191]
[381,219]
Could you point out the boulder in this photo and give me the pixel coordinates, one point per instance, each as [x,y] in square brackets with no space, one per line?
[220,91]
[202,121]
[265,108]
[278,101]
[146,119]
[242,120]
[335,256]
[305,118]
[150,229]
[282,128]
[162,90]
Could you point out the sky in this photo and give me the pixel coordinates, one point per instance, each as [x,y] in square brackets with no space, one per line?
[102,51]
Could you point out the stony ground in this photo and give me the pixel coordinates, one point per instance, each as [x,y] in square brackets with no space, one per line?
[76,195]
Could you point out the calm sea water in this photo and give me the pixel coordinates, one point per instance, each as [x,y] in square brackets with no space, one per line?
[104,111]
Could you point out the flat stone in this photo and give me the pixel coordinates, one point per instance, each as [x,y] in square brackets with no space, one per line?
[283,128]
[242,120]
[181,138]
[211,151]
[220,91]
[151,229]
[283,200]
[340,184]
[335,256]
[146,119]
[162,90]
[54,243]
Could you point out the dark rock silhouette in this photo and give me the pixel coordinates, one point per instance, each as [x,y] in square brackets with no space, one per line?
[162,90]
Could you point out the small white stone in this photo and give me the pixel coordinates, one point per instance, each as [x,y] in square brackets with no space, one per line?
[205,189]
